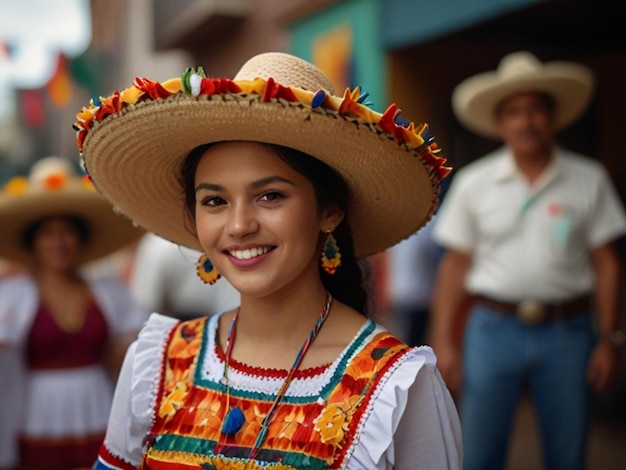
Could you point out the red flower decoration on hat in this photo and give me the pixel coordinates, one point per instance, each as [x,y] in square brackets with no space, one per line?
[108,106]
[276,90]
[53,182]
[388,124]
[153,89]
[210,86]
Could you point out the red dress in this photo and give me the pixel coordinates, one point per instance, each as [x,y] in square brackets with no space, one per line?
[52,348]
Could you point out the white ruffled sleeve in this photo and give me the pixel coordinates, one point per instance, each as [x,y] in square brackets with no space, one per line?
[132,411]
[18,304]
[413,422]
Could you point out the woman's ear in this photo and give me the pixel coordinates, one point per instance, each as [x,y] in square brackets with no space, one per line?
[331,218]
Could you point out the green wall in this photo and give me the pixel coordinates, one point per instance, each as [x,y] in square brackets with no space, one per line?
[409,22]
[363,16]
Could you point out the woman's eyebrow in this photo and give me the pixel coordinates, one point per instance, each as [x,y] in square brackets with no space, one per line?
[269,180]
[255,184]
[209,186]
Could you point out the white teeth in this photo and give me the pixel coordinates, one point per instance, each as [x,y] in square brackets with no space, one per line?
[250,252]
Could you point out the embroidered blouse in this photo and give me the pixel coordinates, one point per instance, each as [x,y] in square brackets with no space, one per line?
[379,405]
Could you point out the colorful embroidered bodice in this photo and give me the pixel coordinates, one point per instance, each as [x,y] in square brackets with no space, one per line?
[313,427]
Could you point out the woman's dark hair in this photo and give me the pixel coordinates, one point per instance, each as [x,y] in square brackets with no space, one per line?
[80,225]
[348,283]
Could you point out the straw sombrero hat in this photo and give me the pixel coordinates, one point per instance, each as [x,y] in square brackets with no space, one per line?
[54,188]
[134,142]
[474,100]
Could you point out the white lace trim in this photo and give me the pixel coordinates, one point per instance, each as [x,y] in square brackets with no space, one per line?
[310,386]
[376,430]
[148,368]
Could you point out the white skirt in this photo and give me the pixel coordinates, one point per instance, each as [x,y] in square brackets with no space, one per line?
[62,403]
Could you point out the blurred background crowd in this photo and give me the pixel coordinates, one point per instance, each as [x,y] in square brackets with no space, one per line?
[57,54]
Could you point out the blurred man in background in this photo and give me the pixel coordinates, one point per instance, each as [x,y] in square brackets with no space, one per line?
[529,231]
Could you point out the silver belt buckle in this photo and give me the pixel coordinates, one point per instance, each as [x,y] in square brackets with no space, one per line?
[530,312]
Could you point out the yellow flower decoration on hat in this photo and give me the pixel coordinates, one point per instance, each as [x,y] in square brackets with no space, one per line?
[86,180]
[16,186]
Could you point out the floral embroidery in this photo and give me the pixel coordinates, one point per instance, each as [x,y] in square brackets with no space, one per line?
[334,421]
[174,401]
[305,433]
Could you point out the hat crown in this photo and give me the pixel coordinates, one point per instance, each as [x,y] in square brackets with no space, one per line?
[287,70]
[518,63]
[50,166]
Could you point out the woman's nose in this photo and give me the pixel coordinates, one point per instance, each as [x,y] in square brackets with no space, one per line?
[241,221]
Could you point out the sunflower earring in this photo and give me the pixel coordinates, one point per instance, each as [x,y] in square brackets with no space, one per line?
[331,258]
[206,270]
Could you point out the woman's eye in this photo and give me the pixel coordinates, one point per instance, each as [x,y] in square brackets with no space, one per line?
[271,196]
[212,201]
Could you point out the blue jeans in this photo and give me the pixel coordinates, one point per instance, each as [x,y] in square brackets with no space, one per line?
[503,356]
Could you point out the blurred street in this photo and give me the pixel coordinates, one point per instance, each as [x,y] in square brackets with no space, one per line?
[607,449]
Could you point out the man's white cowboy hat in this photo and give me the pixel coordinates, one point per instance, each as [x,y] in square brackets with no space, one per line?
[53,188]
[475,99]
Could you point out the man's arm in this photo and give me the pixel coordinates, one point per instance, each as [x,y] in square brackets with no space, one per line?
[604,363]
[449,299]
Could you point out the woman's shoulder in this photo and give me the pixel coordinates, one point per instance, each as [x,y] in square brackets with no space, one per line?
[160,330]
[9,284]
[153,336]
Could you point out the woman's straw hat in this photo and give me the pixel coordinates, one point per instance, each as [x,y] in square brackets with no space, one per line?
[53,188]
[474,100]
[133,145]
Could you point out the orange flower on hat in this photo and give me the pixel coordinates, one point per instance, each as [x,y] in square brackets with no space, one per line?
[16,186]
[53,182]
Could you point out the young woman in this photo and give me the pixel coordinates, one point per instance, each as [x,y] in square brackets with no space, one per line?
[283,186]
[59,332]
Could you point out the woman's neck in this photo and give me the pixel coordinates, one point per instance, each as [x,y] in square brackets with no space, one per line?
[285,317]
[53,277]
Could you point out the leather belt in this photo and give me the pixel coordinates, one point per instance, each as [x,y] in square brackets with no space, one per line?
[532,312]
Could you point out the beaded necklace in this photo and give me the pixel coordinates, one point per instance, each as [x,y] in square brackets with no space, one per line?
[234,417]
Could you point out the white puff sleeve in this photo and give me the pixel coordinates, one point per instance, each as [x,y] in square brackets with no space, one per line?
[413,422]
[132,412]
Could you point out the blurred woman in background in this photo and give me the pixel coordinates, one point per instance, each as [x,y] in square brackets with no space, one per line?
[61,334]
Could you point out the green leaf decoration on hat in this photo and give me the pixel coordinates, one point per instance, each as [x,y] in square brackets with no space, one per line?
[187,79]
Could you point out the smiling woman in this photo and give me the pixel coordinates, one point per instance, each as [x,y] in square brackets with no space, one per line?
[283,186]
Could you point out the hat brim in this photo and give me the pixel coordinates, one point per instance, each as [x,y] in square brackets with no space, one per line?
[475,100]
[108,230]
[135,159]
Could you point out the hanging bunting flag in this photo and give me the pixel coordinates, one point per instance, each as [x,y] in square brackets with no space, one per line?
[32,108]
[60,85]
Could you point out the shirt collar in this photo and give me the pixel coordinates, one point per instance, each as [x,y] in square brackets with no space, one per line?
[507,169]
